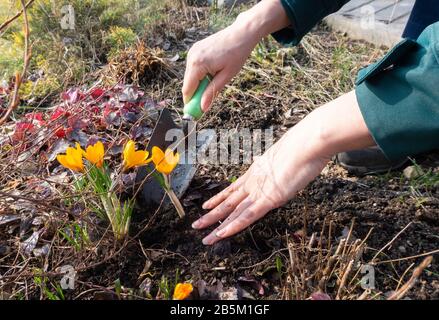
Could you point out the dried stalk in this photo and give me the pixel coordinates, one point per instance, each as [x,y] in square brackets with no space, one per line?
[400,293]
[15,100]
[344,279]
[390,243]
[5,24]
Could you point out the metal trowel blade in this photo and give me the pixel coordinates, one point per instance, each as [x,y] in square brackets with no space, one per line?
[151,192]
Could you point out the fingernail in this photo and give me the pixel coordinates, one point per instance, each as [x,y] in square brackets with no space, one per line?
[221,233]
[196,224]
[206,205]
[207,242]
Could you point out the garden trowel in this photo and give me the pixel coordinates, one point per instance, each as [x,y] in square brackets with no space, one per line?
[187,142]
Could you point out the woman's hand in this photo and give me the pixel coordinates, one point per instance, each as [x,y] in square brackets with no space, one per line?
[223,54]
[287,167]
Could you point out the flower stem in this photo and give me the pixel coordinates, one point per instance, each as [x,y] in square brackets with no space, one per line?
[174,199]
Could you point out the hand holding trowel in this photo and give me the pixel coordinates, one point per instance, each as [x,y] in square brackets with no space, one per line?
[151,192]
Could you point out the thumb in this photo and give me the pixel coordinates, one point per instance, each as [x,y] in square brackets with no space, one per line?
[218,82]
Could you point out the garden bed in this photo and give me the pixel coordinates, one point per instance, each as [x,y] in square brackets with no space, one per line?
[283,256]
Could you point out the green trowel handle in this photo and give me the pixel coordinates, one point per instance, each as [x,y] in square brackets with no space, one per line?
[193,108]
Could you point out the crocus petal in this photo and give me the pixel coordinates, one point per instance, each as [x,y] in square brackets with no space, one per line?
[73,158]
[157,155]
[95,154]
[78,148]
[165,162]
[129,149]
[171,157]
[62,158]
[182,291]
[140,156]
[70,163]
[133,158]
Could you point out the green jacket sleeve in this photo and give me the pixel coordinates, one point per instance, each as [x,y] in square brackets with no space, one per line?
[399,96]
[304,15]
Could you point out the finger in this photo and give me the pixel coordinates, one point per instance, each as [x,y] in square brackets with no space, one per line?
[218,198]
[212,237]
[215,86]
[192,77]
[221,211]
[246,218]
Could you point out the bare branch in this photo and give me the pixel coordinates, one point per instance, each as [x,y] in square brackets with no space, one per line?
[5,24]
[15,99]
[416,274]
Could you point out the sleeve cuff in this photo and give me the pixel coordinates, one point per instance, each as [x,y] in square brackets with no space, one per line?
[288,36]
[399,100]
[402,120]
[304,15]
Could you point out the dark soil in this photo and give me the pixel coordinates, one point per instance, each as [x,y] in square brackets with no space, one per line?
[372,202]
[256,261]
[385,203]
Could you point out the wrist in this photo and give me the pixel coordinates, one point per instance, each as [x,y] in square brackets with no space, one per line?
[312,137]
[266,17]
[337,127]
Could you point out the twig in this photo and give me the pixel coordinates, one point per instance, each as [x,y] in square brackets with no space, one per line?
[15,100]
[344,278]
[5,24]
[408,258]
[390,243]
[409,284]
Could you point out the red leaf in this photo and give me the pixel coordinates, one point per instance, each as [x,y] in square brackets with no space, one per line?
[38,116]
[72,95]
[96,93]
[24,126]
[107,110]
[94,108]
[21,128]
[75,122]
[60,133]
[57,113]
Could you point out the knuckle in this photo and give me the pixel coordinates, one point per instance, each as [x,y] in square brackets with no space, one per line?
[228,204]
[198,60]
[229,191]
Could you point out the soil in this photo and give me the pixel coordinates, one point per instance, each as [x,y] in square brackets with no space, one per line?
[173,246]
[371,202]
[255,263]
[384,203]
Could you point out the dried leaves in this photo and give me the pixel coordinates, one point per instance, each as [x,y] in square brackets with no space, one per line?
[81,116]
[138,65]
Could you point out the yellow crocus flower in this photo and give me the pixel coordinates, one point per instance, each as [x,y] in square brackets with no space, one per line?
[133,158]
[95,154]
[72,159]
[165,162]
[182,291]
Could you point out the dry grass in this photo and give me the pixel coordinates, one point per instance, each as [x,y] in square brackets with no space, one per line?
[322,268]
[138,65]
[274,81]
